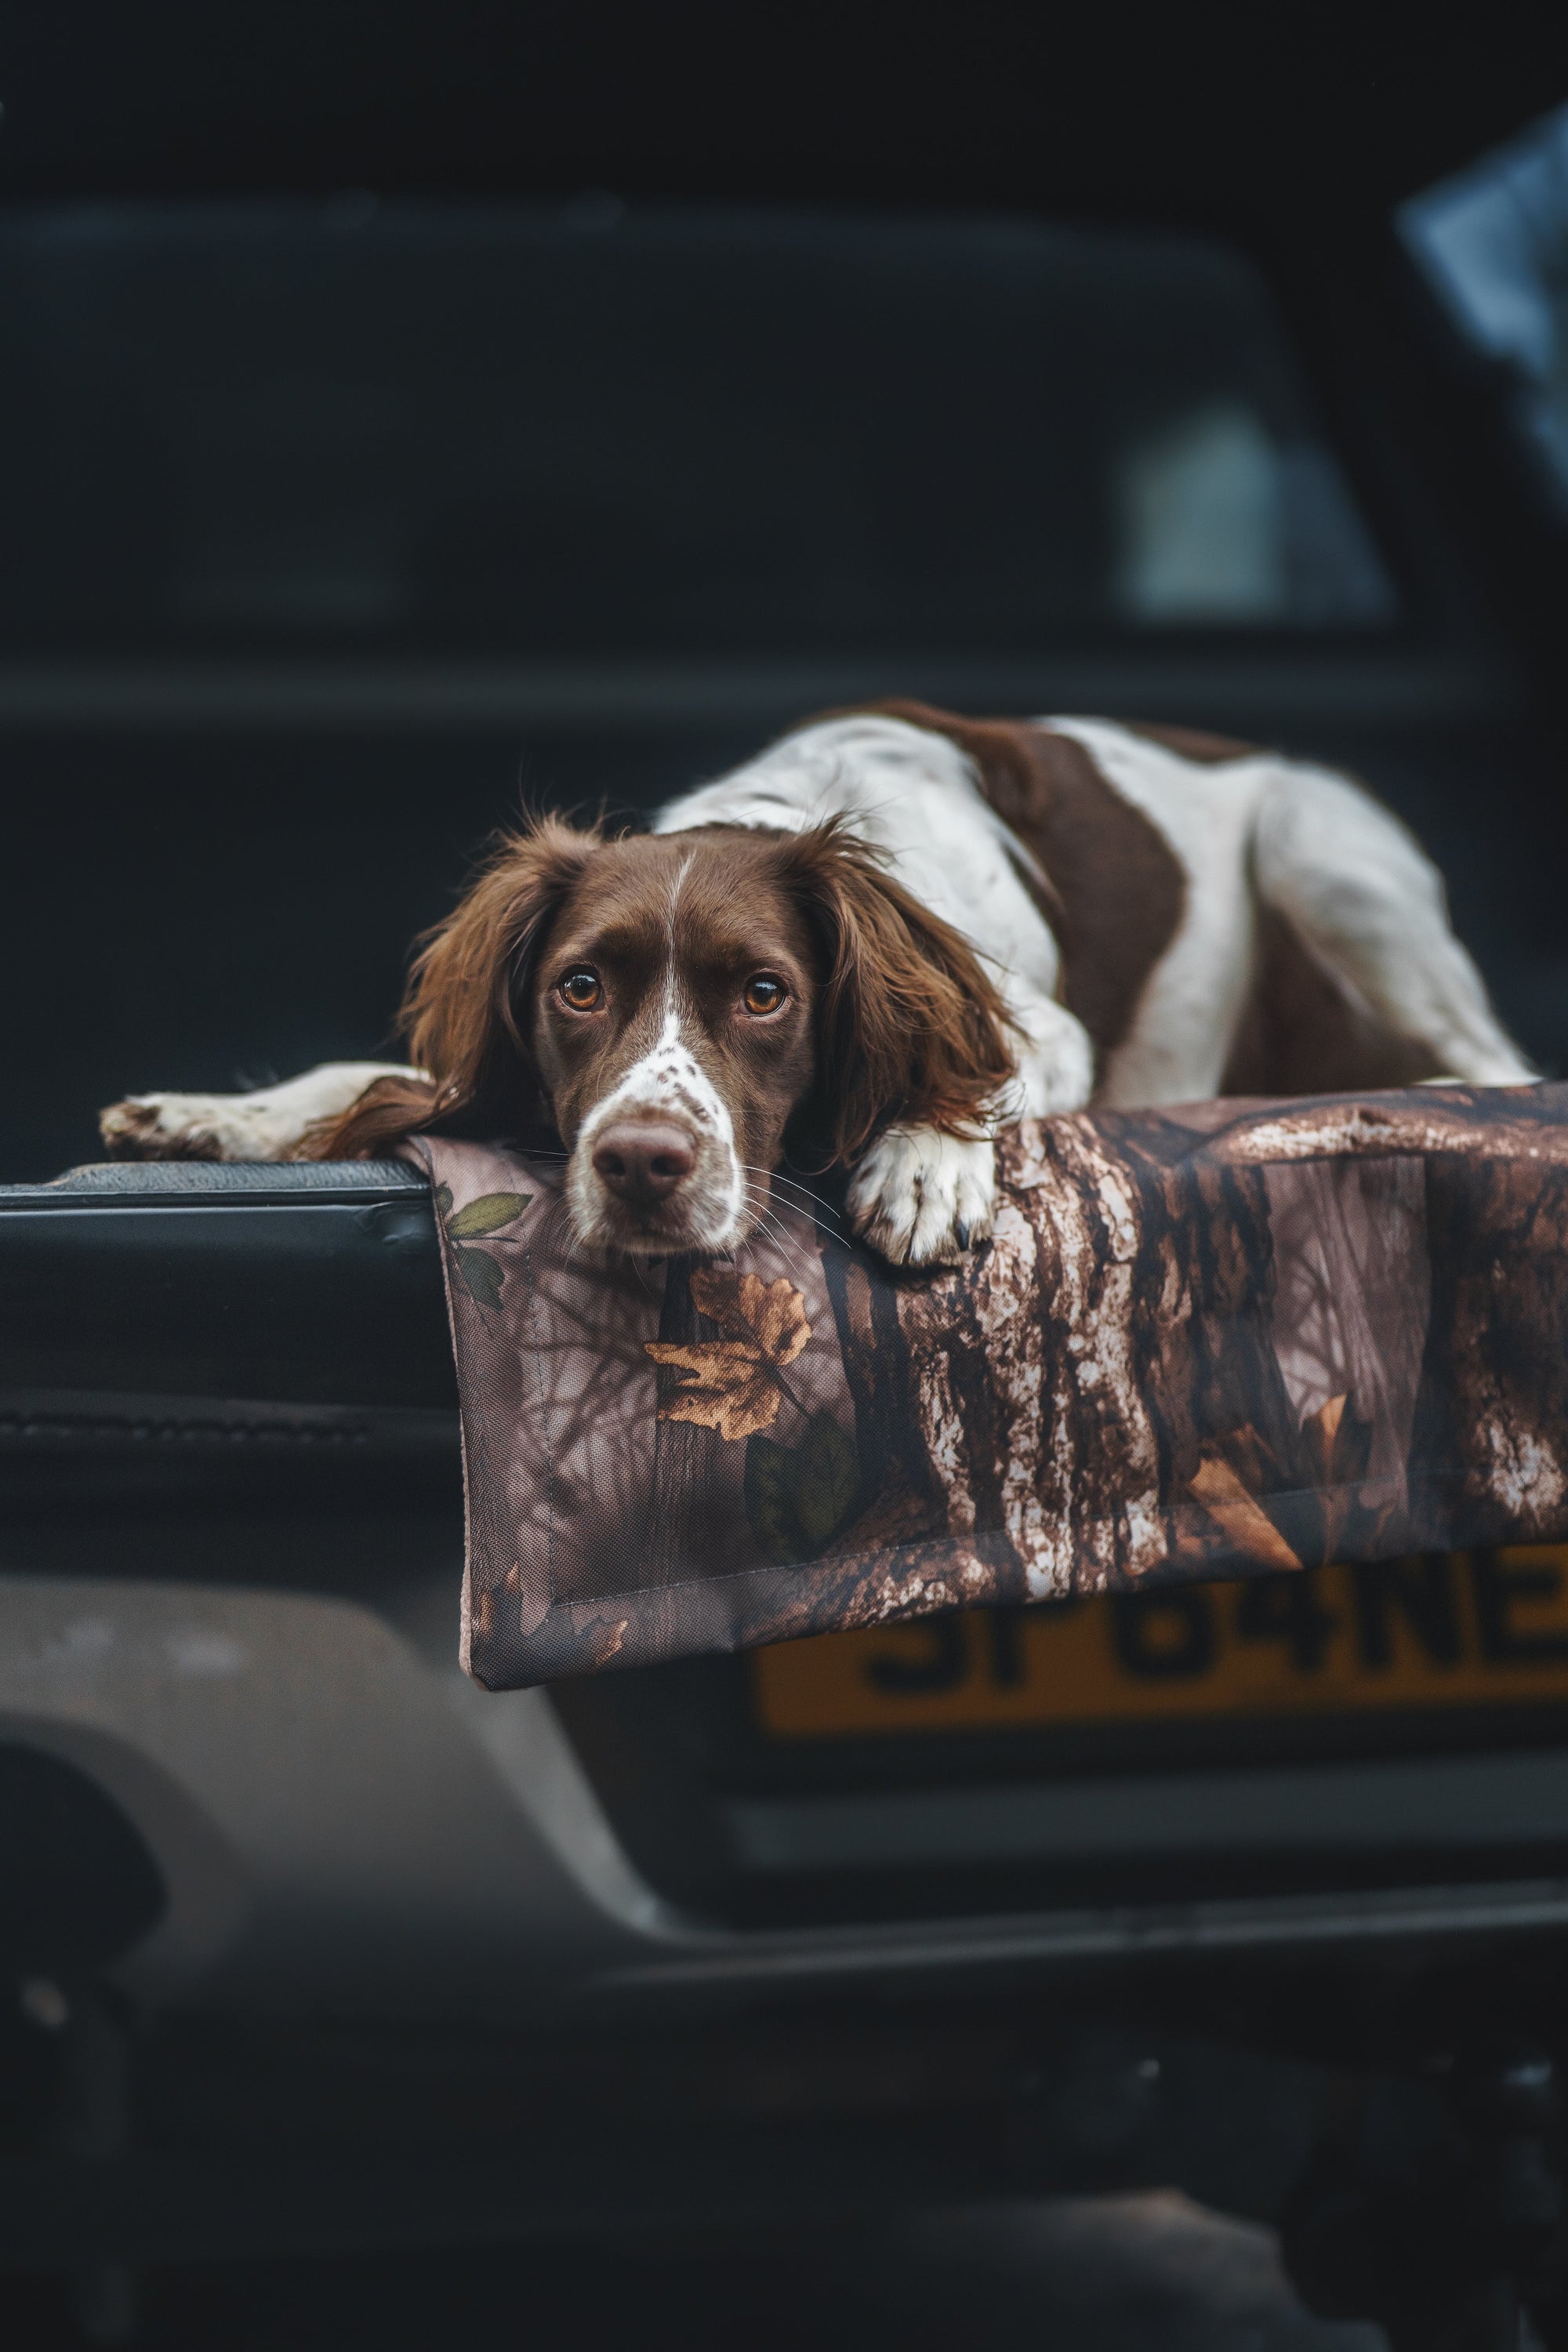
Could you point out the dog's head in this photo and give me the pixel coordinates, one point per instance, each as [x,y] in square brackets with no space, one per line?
[680,1009]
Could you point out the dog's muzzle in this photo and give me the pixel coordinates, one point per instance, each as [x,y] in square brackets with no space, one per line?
[655,1167]
[652,1184]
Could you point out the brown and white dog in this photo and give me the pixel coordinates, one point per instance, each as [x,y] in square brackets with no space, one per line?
[888,936]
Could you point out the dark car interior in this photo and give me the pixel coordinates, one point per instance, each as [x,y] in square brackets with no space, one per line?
[407,417]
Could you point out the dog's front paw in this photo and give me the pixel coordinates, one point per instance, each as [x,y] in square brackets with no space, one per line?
[160,1127]
[923,1198]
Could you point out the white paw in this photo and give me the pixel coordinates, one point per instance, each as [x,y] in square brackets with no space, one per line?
[922,1198]
[170,1126]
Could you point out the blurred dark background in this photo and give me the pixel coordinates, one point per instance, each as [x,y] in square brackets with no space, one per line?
[407,409]
[405,412]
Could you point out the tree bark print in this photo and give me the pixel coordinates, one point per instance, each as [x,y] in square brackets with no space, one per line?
[1227,1339]
[1490,1449]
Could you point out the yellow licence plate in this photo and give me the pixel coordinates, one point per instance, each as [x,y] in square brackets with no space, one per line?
[1473,1629]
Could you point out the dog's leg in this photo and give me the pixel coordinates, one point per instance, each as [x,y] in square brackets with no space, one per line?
[269,1124]
[923,1198]
[1365,899]
[1056,1058]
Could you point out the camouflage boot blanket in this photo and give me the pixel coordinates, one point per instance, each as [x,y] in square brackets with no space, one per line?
[1217,1340]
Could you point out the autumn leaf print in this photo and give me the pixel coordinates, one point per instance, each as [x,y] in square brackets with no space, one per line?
[487,1214]
[732,1384]
[1244,1519]
[1297,1506]
[798,1497]
[481,1274]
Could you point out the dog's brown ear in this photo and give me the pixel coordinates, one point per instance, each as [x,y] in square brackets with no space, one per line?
[464,1016]
[911,1027]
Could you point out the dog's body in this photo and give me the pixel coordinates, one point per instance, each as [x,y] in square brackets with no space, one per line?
[890,934]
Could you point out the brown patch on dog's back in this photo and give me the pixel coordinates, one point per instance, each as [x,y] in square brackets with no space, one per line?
[1117,889]
[1116,898]
[1301,1034]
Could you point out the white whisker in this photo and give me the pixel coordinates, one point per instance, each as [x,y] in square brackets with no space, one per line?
[775,1176]
[795,1209]
[781,1240]
[799,1267]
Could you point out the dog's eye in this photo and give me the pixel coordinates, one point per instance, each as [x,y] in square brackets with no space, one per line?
[763,992]
[582,990]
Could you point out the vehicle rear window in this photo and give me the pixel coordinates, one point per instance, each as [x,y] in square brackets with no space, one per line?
[585,429]
[1493,243]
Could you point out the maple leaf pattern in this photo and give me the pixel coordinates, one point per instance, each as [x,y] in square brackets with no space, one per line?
[732,1384]
[1297,1506]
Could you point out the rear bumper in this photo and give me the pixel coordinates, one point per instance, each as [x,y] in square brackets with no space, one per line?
[229,1570]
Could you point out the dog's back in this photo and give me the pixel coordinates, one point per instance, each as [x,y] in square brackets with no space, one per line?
[1214,917]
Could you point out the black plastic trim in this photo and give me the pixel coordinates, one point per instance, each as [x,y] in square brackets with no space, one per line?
[304,1286]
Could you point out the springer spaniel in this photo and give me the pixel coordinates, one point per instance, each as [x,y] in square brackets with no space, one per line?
[890,935]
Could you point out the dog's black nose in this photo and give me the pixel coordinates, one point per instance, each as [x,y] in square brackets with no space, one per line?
[642,1160]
